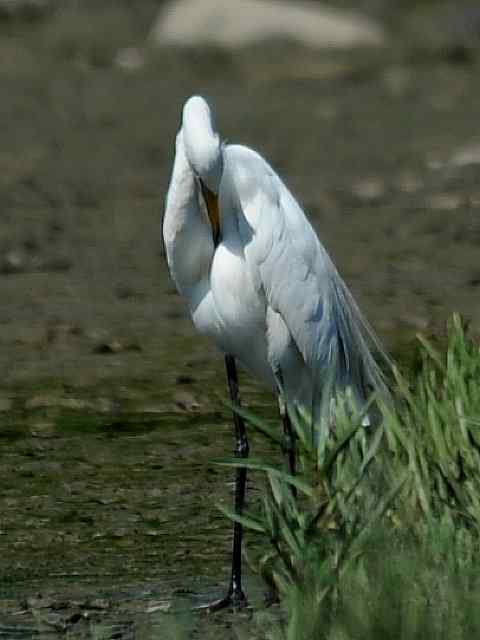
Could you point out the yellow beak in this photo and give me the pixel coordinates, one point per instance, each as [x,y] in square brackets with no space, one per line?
[211,200]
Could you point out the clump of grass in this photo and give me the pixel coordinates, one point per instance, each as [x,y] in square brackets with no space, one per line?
[383,538]
[435,431]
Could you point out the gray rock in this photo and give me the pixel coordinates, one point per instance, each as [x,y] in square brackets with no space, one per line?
[130,59]
[236,24]
[470,154]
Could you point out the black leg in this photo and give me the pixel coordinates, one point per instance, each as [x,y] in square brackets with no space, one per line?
[235,596]
[288,433]
[289,441]
[241,451]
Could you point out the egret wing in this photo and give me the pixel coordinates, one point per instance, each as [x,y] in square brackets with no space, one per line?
[301,283]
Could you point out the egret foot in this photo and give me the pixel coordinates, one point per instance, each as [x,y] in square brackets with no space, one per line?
[233,600]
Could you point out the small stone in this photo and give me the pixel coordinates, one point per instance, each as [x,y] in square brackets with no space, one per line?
[43,430]
[13,262]
[130,59]
[42,402]
[40,602]
[75,404]
[467,155]
[162,606]
[417,322]
[474,200]
[445,201]
[186,401]
[112,346]
[152,408]
[409,182]
[98,603]
[434,163]
[116,346]
[369,189]
[55,620]
[104,405]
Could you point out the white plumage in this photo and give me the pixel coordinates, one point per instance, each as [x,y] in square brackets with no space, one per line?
[255,275]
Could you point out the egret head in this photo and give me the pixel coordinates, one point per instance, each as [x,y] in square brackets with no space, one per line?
[203,149]
[202,144]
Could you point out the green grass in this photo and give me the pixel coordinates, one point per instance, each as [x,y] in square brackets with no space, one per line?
[383,539]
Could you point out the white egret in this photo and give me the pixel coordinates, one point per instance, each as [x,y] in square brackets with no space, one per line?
[258,281]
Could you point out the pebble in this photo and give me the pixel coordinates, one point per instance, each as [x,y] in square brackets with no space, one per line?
[444,201]
[186,401]
[130,59]
[467,155]
[13,262]
[162,607]
[409,182]
[369,188]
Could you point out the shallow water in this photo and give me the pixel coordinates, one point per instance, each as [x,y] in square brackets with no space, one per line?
[110,519]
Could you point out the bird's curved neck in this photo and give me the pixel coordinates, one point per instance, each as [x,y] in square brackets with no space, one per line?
[187,234]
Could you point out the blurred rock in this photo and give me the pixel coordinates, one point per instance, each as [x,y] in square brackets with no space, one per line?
[43,429]
[235,24]
[369,189]
[44,402]
[444,201]
[408,182]
[130,59]
[40,602]
[98,603]
[21,260]
[419,323]
[13,262]
[186,401]
[116,346]
[470,154]
[163,606]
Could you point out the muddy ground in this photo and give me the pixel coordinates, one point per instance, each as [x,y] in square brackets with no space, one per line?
[110,403]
